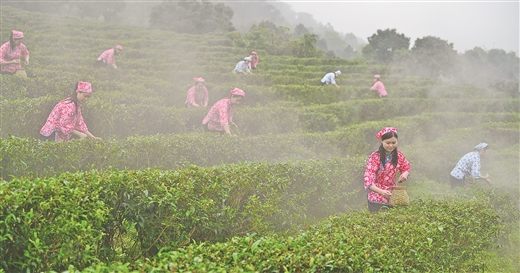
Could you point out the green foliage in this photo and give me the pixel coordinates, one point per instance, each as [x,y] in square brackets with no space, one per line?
[384,43]
[86,217]
[191,17]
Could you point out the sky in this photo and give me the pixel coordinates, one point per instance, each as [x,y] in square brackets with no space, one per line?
[466,24]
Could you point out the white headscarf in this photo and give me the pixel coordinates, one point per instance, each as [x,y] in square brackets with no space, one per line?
[481,146]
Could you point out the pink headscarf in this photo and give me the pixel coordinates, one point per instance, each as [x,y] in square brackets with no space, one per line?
[385,130]
[84,87]
[119,47]
[17,34]
[377,77]
[199,79]
[253,53]
[238,92]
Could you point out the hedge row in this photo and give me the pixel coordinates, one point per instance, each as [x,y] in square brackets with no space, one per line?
[422,136]
[86,217]
[448,235]
[106,118]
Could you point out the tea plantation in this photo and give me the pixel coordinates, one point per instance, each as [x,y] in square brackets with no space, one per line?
[158,194]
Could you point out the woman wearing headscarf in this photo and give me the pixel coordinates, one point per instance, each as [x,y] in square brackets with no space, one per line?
[254,60]
[108,57]
[197,95]
[468,167]
[11,53]
[330,78]
[379,87]
[242,67]
[382,167]
[220,116]
[66,120]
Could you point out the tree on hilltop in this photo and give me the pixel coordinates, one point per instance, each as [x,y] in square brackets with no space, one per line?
[381,45]
[434,57]
[192,16]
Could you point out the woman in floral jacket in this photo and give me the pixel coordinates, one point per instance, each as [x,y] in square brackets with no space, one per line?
[65,120]
[12,52]
[382,167]
[220,116]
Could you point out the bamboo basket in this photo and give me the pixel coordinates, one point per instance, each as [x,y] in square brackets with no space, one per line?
[399,197]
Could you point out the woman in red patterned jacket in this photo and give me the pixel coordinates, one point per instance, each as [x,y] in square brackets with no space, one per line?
[220,116]
[66,120]
[382,168]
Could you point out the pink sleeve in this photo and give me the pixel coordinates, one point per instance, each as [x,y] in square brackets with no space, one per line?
[403,163]
[24,50]
[191,95]
[3,50]
[373,165]
[375,86]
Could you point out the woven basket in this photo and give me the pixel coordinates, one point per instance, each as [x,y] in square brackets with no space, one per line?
[399,197]
[20,72]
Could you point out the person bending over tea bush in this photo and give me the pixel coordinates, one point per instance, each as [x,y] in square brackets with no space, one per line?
[381,170]
[197,95]
[330,78]
[65,120]
[379,87]
[468,167]
[108,57]
[11,53]
[242,67]
[220,116]
[254,60]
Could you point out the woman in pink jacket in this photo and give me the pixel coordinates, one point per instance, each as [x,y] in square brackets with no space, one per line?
[220,116]
[66,120]
[197,95]
[379,87]
[12,52]
[381,170]
[108,57]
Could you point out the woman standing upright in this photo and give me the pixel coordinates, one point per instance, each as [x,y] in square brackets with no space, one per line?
[197,95]
[382,167]
[66,120]
[11,53]
[220,116]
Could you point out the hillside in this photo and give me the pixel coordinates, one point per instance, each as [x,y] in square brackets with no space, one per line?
[291,130]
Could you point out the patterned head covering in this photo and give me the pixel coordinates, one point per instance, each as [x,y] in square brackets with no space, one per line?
[199,79]
[377,77]
[481,146]
[119,47]
[384,131]
[84,87]
[17,34]
[338,72]
[238,92]
[247,59]
[253,52]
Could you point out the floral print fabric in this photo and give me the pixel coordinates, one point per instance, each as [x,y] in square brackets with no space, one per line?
[220,114]
[63,120]
[198,97]
[7,55]
[383,178]
[107,56]
[469,164]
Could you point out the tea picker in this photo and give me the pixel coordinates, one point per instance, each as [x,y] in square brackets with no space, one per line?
[381,171]
[330,78]
[467,169]
[11,54]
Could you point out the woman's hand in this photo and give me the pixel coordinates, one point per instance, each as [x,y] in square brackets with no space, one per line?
[403,177]
[386,193]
